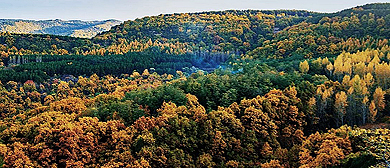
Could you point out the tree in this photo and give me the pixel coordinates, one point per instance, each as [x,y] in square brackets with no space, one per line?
[379,98]
[373,112]
[340,106]
[304,66]
[325,150]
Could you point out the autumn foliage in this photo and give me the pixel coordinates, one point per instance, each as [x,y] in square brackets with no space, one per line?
[298,89]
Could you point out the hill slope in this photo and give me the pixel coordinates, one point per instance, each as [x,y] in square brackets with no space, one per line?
[73,28]
[250,31]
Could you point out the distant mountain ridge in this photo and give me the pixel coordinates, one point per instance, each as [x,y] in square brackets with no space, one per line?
[73,28]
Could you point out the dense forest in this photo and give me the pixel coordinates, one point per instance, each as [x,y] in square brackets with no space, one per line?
[237,88]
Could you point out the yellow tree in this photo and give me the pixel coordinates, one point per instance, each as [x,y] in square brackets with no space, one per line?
[358,92]
[338,65]
[304,66]
[379,98]
[382,73]
[330,69]
[359,69]
[369,79]
[373,112]
[340,105]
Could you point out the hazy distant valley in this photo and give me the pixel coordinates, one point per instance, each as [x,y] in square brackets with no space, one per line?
[73,28]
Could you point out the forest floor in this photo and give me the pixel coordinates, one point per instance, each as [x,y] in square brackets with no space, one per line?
[376,126]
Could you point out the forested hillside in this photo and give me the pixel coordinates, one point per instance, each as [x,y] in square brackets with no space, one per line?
[73,28]
[282,88]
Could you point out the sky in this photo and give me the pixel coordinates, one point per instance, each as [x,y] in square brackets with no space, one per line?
[131,9]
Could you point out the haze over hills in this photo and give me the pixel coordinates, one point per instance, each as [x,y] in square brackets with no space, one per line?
[73,28]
